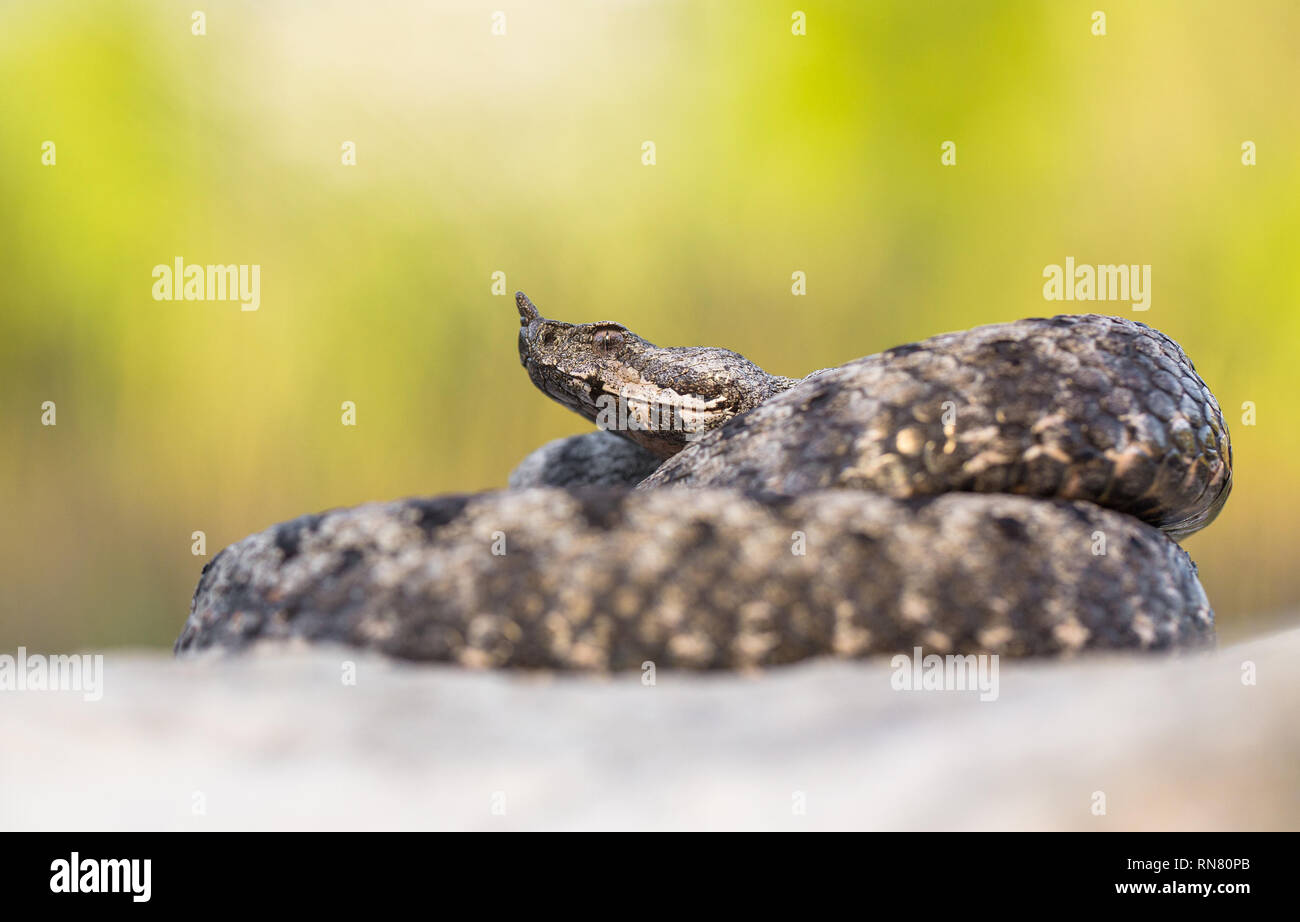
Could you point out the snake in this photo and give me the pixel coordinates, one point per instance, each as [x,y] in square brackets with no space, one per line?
[1014,489]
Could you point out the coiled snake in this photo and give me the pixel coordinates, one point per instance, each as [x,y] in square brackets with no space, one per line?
[1015,489]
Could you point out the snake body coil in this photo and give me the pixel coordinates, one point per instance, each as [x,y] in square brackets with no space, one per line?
[868,508]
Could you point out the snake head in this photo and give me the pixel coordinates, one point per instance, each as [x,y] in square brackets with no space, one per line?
[661,398]
[575,363]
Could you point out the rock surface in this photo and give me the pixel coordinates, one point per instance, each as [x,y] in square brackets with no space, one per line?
[278,741]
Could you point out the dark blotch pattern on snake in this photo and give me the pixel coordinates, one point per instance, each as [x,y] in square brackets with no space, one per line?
[1011,489]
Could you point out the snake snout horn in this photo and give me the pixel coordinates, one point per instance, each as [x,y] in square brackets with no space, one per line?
[528,311]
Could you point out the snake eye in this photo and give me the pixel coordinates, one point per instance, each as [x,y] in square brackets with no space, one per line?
[607,342]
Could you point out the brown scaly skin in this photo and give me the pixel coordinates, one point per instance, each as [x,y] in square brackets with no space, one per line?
[597,459]
[788,549]
[578,364]
[600,579]
[1083,407]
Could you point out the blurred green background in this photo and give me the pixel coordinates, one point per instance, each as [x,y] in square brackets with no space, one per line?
[522,154]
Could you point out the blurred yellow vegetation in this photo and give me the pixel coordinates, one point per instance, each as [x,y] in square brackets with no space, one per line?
[521,153]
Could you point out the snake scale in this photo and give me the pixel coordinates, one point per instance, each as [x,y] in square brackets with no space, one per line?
[1016,488]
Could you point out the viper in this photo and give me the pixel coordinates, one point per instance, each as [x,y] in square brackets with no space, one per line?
[1017,488]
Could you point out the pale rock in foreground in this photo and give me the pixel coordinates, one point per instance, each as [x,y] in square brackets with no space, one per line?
[279,741]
